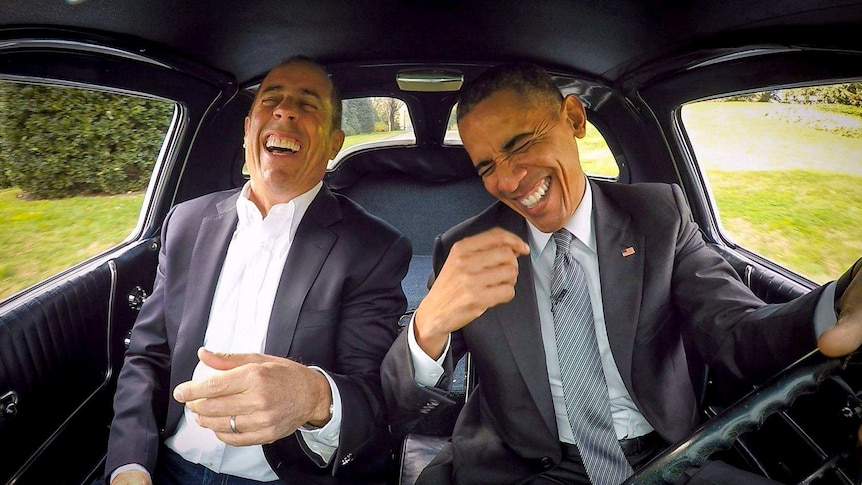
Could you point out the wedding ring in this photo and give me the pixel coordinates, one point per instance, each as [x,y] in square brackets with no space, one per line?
[233,424]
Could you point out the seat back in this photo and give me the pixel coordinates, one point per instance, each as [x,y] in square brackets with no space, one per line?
[421,191]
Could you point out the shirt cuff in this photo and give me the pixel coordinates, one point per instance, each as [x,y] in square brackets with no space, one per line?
[129,467]
[427,371]
[324,441]
[824,314]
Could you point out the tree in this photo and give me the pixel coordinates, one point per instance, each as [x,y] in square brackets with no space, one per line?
[847,94]
[357,116]
[387,111]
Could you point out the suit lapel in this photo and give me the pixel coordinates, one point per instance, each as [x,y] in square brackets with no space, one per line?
[521,326]
[621,262]
[310,247]
[208,255]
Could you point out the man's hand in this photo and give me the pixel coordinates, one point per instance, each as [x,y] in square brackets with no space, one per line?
[479,273]
[132,477]
[846,335]
[269,397]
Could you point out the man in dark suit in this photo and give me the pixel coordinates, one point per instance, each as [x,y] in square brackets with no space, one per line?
[256,358]
[650,283]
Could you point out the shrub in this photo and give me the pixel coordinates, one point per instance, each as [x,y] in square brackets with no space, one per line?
[62,142]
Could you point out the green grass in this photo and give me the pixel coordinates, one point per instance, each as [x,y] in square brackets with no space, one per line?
[805,220]
[39,238]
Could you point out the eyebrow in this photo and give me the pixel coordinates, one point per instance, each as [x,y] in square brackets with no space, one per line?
[302,91]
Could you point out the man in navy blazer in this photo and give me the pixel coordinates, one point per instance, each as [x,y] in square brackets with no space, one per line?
[658,293]
[256,358]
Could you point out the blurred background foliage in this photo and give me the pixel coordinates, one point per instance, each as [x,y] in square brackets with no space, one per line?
[60,142]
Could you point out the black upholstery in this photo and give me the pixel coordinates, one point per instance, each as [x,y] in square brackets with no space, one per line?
[54,355]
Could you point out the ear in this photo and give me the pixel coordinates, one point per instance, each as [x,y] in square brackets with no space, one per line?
[336,140]
[576,115]
[245,129]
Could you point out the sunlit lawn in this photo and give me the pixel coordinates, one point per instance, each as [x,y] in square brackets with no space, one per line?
[804,220]
[39,238]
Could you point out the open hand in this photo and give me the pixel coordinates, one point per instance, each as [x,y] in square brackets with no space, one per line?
[268,397]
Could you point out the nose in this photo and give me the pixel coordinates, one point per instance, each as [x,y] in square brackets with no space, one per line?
[509,176]
[288,108]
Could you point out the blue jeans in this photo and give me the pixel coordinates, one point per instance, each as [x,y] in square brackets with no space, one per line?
[173,469]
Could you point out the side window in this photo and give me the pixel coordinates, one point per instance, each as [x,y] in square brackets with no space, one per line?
[374,119]
[74,165]
[785,170]
[596,157]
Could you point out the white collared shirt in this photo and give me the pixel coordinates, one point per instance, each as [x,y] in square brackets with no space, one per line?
[238,323]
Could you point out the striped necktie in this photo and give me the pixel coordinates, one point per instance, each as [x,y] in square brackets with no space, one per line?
[584,387]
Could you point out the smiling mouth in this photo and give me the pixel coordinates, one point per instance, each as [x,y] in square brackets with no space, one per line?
[531,200]
[279,146]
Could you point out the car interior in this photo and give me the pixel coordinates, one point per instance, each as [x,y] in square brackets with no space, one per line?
[633,64]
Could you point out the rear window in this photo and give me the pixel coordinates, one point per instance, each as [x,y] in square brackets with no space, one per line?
[374,121]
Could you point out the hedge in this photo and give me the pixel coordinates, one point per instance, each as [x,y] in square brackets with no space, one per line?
[62,142]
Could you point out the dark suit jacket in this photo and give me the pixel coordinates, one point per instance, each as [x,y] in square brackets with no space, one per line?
[337,307]
[673,296]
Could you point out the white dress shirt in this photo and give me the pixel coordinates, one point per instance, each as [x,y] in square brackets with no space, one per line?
[238,323]
[628,420]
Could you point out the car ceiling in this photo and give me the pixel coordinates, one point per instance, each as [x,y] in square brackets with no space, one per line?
[606,41]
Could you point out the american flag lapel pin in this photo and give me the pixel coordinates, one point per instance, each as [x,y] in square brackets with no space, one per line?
[628,251]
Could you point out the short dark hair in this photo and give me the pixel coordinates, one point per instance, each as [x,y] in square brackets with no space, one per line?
[334,96]
[526,79]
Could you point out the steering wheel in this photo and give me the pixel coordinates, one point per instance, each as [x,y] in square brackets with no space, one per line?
[747,414]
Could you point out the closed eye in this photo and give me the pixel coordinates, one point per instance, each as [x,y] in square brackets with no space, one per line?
[523,147]
[485,168]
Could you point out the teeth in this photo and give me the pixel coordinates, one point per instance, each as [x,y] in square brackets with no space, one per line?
[279,144]
[533,199]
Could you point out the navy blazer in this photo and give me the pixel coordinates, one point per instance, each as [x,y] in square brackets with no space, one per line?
[337,307]
[673,296]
